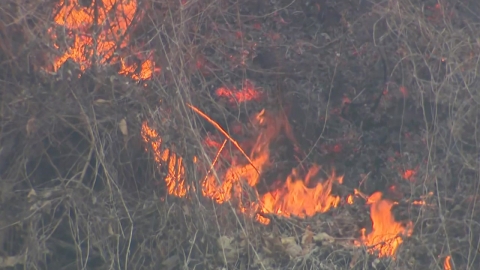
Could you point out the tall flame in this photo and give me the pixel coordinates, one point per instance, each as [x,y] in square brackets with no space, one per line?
[386,234]
[99,32]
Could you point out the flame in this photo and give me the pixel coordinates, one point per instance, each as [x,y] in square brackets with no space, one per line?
[175,176]
[112,18]
[386,234]
[300,194]
[247,93]
[291,197]
[446,264]
[404,91]
[418,202]
[297,199]
[296,195]
[409,175]
[350,199]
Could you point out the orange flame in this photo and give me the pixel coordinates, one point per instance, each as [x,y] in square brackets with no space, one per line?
[386,234]
[350,199]
[409,175]
[446,264]
[112,18]
[417,202]
[175,176]
[293,197]
[297,199]
[247,93]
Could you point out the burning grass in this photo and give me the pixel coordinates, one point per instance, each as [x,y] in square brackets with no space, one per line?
[148,135]
[96,34]
[291,197]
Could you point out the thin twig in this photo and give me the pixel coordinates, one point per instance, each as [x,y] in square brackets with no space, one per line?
[210,120]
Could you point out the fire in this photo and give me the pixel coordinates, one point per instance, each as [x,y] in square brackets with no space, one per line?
[292,197]
[247,93]
[350,199]
[404,91]
[112,18]
[446,263]
[295,195]
[409,175]
[98,34]
[301,194]
[297,199]
[386,234]
[175,176]
[418,202]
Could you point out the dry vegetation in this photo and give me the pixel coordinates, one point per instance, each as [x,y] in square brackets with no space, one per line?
[80,188]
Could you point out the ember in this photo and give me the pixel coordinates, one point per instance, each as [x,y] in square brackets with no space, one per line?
[409,175]
[247,93]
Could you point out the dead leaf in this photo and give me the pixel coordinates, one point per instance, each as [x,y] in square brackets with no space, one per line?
[123,127]
[262,262]
[323,237]
[243,243]
[31,193]
[272,244]
[100,101]
[172,262]
[307,237]
[46,194]
[10,261]
[31,126]
[110,229]
[46,204]
[307,241]
[355,258]
[288,240]
[34,207]
[186,210]
[291,246]
[229,250]
[375,263]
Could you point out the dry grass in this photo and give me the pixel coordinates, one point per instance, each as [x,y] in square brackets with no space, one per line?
[77,192]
